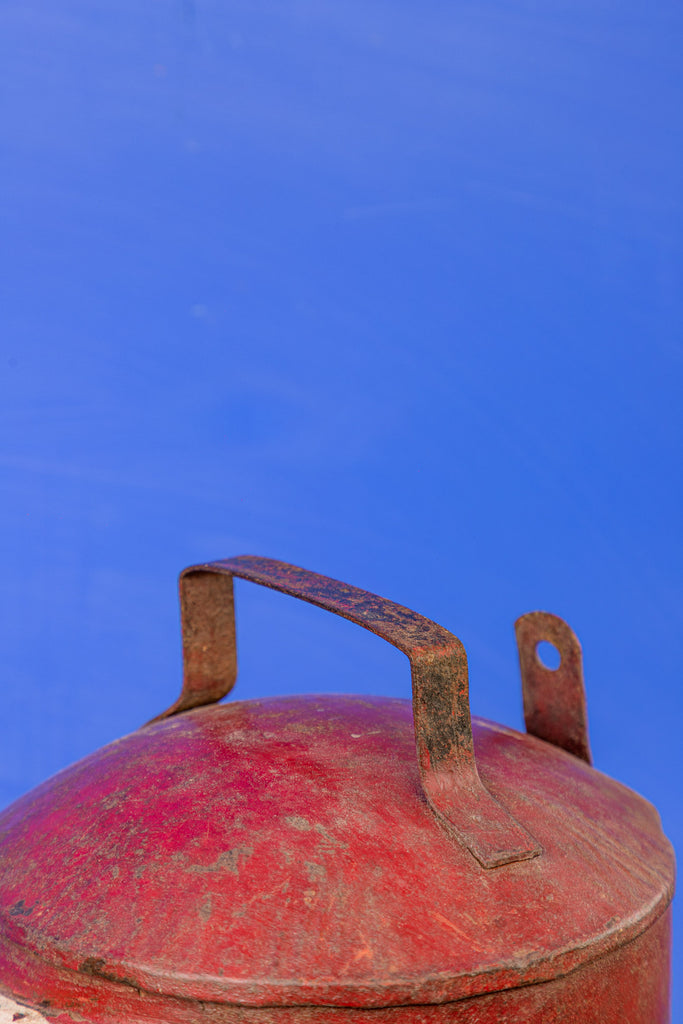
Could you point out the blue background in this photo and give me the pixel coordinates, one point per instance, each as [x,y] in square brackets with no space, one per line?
[391,291]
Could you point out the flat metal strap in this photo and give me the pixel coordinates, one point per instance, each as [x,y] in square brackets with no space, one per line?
[441,711]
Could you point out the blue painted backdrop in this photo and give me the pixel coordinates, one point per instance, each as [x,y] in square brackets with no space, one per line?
[389,290]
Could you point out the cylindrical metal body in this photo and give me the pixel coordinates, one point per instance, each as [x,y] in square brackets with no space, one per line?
[292,860]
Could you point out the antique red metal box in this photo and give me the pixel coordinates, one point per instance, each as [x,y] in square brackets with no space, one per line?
[339,859]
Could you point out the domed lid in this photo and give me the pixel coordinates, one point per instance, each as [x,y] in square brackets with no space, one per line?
[289,852]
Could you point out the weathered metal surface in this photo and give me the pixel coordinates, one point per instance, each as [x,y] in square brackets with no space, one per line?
[279,862]
[438,664]
[554,699]
[282,851]
[627,986]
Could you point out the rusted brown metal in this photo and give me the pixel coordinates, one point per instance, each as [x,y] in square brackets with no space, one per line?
[554,699]
[207,617]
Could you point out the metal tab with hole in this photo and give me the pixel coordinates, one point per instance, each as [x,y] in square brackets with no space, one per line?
[554,698]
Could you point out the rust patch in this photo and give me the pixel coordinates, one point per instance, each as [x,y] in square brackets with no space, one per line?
[94,967]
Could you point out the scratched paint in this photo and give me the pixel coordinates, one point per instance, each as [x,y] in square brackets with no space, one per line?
[270,865]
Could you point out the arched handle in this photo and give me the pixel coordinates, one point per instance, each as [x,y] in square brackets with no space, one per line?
[438,662]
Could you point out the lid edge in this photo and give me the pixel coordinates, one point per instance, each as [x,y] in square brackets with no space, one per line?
[16,959]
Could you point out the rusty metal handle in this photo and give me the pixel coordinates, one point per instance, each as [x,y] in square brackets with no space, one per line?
[438,662]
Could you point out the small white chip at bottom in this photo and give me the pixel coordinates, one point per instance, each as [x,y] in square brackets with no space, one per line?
[11,1012]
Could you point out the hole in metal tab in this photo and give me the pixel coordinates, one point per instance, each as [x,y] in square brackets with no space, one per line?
[548,655]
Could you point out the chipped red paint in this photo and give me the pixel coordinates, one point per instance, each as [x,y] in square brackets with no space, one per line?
[288,860]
